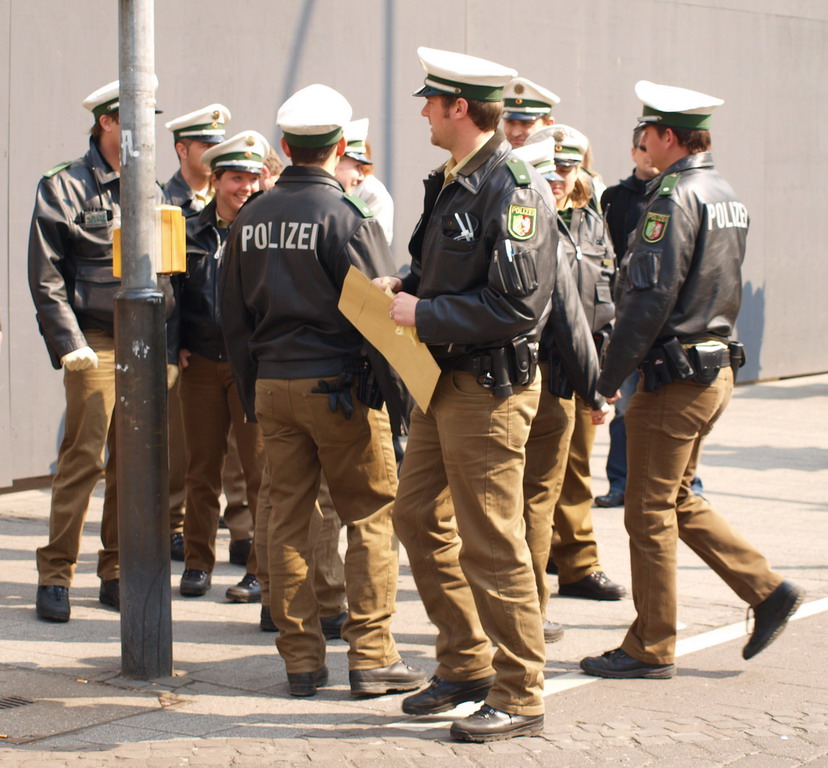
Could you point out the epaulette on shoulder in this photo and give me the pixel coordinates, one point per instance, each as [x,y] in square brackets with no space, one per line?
[360,205]
[668,183]
[519,171]
[56,169]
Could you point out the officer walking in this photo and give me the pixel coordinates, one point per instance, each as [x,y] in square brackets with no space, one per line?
[298,364]
[482,271]
[678,295]
[73,288]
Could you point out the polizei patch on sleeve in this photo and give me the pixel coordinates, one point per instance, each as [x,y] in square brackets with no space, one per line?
[655,225]
[522,221]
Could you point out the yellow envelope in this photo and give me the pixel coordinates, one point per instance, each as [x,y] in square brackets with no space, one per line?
[367,309]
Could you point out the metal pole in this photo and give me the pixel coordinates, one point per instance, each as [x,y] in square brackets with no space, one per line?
[140,369]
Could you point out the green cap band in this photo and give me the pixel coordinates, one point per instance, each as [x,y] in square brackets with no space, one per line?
[476,92]
[517,105]
[312,140]
[106,107]
[244,157]
[206,129]
[677,119]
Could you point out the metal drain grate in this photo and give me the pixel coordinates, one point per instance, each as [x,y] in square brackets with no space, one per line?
[10,702]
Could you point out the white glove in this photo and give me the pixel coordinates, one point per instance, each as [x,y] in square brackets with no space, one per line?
[172,375]
[80,359]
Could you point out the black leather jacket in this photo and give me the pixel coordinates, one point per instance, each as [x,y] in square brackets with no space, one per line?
[473,291]
[284,266]
[77,207]
[178,192]
[682,274]
[198,291]
[567,343]
[591,257]
[623,205]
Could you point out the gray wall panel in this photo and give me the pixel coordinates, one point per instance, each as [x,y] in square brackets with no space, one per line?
[6,473]
[770,138]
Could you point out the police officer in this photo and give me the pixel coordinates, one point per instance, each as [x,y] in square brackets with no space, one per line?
[370,189]
[568,363]
[678,295]
[298,364]
[193,134]
[482,271]
[189,189]
[209,399]
[73,288]
[589,252]
[527,108]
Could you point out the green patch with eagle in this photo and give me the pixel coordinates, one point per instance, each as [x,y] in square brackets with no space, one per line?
[522,221]
[655,225]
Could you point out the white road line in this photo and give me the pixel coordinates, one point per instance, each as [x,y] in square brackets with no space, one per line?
[569,680]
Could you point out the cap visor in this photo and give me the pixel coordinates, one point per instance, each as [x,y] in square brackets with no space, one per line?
[552,176]
[427,90]
[360,158]
[523,116]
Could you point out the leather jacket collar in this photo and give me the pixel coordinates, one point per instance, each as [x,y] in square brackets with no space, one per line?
[687,163]
[207,215]
[474,174]
[95,160]
[305,174]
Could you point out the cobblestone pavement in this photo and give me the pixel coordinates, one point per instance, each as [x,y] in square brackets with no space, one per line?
[226,703]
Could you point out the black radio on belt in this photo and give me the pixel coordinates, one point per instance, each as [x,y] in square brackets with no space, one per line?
[93,217]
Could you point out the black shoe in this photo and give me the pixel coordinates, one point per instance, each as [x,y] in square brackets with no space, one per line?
[611,499]
[551,566]
[395,677]
[177,547]
[490,724]
[552,632]
[442,695]
[110,593]
[332,625]
[195,583]
[771,616]
[619,664]
[248,590]
[240,551]
[594,586]
[52,602]
[265,621]
[306,683]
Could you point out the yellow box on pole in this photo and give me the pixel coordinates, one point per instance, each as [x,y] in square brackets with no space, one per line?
[170,254]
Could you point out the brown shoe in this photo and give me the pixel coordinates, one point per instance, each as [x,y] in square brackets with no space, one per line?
[594,586]
[306,683]
[490,724]
[376,682]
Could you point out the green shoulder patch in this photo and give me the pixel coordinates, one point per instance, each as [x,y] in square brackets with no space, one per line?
[668,183]
[519,171]
[521,221]
[655,225]
[360,205]
[56,169]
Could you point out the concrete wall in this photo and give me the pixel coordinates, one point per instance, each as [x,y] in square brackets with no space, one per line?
[769,139]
